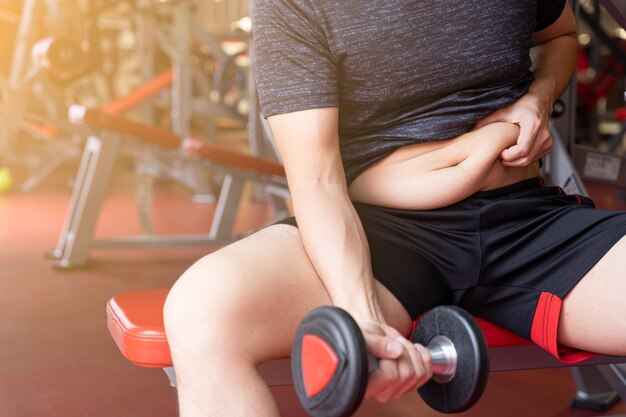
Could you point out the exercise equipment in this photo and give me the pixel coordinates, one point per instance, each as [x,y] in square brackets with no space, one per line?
[597,161]
[135,322]
[63,56]
[76,238]
[56,60]
[209,86]
[330,363]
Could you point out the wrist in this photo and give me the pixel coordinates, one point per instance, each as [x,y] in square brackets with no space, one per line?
[541,103]
[362,309]
[544,93]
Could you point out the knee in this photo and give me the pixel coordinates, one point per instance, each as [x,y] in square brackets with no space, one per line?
[203,302]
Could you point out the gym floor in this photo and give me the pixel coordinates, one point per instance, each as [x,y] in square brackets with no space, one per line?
[57,358]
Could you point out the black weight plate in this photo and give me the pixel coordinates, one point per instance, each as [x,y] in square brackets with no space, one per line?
[345,391]
[472,371]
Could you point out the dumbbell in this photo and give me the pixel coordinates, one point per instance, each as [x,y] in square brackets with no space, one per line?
[330,364]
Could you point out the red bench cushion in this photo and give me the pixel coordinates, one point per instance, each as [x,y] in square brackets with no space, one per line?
[135,320]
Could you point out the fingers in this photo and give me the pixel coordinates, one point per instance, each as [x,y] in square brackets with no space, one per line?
[517,154]
[381,379]
[398,377]
[546,148]
[534,140]
[381,345]
[533,143]
[388,348]
[395,377]
[415,372]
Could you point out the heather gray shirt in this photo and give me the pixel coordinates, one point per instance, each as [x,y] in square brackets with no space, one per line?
[400,71]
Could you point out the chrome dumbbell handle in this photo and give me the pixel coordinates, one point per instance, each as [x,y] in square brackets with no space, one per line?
[444,358]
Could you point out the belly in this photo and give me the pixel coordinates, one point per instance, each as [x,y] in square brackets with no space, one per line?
[439,173]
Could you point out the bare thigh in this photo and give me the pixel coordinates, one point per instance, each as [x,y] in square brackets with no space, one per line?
[257,291]
[592,316]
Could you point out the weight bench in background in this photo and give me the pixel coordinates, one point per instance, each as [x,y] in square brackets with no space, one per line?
[51,131]
[99,156]
[135,321]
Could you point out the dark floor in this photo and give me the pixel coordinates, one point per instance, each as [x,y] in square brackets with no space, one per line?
[56,356]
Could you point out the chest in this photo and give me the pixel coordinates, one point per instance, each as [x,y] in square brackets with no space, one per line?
[393,46]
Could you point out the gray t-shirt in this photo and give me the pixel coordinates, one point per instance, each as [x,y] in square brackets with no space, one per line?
[400,71]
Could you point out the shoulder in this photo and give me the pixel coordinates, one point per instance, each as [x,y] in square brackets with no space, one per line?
[266,7]
[295,15]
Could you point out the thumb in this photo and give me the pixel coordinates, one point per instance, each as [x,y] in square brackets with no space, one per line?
[383,347]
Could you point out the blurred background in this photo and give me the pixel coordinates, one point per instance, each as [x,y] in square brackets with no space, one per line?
[131,145]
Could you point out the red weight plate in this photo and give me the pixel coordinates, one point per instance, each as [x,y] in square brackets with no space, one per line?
[319,363]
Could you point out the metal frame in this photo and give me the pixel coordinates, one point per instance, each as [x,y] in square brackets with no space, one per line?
[175,39]
[502,359]
[92,181]
[593,391]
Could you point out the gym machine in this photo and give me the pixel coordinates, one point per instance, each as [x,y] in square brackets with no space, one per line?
[191,93]
[600,161]
[101,149]
[51,62]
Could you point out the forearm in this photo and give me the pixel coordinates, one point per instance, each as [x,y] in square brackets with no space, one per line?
[553,66]
[554,62]
[336,244]
[330,228]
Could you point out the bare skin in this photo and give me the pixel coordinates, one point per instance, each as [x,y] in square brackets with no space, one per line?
[264,298]
[290,284]
[240,306]
[441,173]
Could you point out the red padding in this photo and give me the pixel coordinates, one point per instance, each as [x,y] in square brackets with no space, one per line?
[498,337]
[319,363]
[135,320]
[140,95]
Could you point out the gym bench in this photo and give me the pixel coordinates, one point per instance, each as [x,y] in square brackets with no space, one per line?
[96,167]
[135,321]
[53,130]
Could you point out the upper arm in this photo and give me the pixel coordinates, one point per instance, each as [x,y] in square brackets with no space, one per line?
[564,25]
[297,80]
[308,142]
[294,66]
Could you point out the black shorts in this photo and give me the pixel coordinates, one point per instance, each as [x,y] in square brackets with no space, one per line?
[508,255]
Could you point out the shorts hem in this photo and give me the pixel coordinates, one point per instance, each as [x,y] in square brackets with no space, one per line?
[544,330]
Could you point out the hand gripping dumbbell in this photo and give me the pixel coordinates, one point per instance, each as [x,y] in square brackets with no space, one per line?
[330,364]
